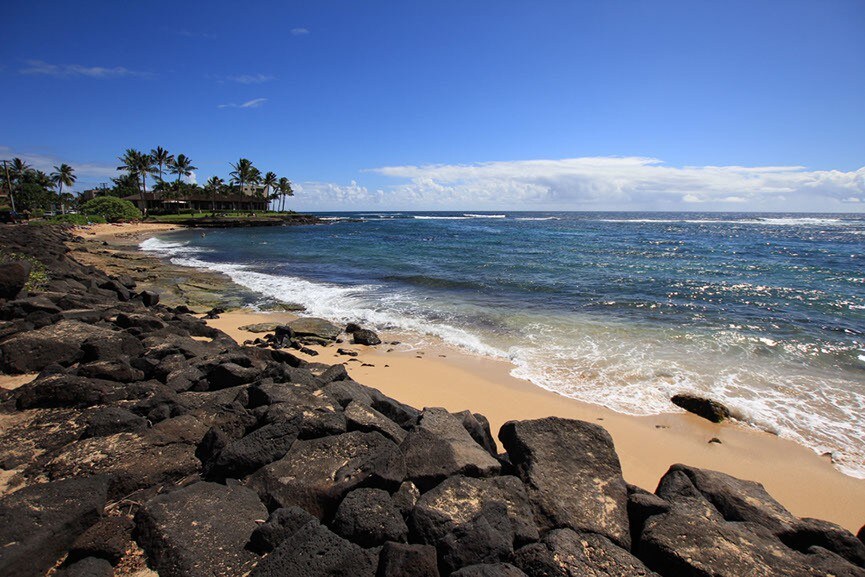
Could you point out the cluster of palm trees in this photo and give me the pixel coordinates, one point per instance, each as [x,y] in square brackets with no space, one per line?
[33,187]
[243,177]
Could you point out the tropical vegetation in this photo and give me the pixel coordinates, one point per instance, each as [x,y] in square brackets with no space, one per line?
[111,208]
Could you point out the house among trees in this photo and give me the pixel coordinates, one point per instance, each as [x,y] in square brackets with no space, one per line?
[157,202]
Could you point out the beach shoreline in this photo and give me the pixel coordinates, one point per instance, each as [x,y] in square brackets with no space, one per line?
[441,375]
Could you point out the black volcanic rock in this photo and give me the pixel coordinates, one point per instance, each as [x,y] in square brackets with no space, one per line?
[359,417]
[38,523]
[490,570]
[368,517]
[13,277]
[706,408]
[365,337]
[404,560]
[201,530]
[572,474]
[255,450]
[281,524]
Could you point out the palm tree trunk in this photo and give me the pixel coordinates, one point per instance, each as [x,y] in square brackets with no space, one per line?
[60,198]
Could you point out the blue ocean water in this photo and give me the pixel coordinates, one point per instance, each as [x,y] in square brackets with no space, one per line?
[765,312]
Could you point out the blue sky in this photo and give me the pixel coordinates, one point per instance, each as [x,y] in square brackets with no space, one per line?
[691,105]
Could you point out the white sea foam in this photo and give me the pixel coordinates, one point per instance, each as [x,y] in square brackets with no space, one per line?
[470,215]
[427,217]
[804,221]
[537,218]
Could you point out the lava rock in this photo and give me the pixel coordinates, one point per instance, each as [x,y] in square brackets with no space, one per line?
[201,529]
[365,337]
[403,560]
[149,298]
[335,373]
[118,370]
[439,447]
[13,277]
[255,450]
[706,408]
[368,517]
[281,525]
[314,327]
[490,570]
[478,427]
[63,390]
[107,539]
[87,567]
[363,418]
[39,522]
[816,533]
[572,474]
[315,474]
[111,420]
[405,498]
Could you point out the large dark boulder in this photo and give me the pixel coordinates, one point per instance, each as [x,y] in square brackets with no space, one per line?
[314,550]
[439,447]
[565,553]
[317,473]
[118,370]
[87,567]
[60,343]
[111,420]
[13,277]
[473,520]
[201,530]
[816,533]
[315,413]
[64,390]
[489,570]
[108,539]
[572,474]
[314,327]
[478,427]
[706,408]
[360,417]
[255,450]
[368,517]
[403,560]
[38,523]
[365,337]
[281,525]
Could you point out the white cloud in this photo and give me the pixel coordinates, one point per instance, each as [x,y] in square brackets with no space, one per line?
[192,178]
[598,183]
[88,173]
[254,103]
[40,68]
[250,78]
[299,31]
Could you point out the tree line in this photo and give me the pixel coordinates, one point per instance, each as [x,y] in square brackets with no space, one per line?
[30,189]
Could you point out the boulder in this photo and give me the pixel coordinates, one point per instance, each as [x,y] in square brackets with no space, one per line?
[816,533]
[315,327]
[565,553]
[369,518]
[149,298]
[439,447]
[478,427]
[257,449]
[365,337]
[32,351]
[405,498]
[63,390]
[259,327]
[334,373]
[474,521]
[281,524]
[201,530]
[314,550]
[363,418]
[315,474]
[118,370]
[38,523]
[87,567]
[403,560]
[315,413]
[572,474]
[108,539]
[490,570]
[145,322]
[111,420]
[13,277]
[706,408]
[228,375]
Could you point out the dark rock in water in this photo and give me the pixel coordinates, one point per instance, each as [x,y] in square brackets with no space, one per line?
[735,499]
[365,337]
[474,520]
[816,533]
[346,352]
[281,525]
[362,418]
[405,498]
[491,570]
[32,351]
[13,277]
[87,567]
[201,530]
[315,327]
[38,523]
[111,420]
[403,560]
[149,298]
[368,517]
[439,447]
[335,373]
[314,550]
[706,408]
[572,474]
[107,539]
[351,328]
[118,370]
[478,427]
[566,553]
[255,450]
[316,474]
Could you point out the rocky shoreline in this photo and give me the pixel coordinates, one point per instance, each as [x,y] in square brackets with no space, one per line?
[150,441]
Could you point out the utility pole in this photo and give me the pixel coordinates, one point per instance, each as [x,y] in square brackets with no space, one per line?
[9,184]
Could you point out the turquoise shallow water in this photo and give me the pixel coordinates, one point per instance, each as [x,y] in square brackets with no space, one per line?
[764,312]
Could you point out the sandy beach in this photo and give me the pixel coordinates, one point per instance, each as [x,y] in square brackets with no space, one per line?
[441,375]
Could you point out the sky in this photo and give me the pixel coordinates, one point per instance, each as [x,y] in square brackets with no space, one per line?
[456,105]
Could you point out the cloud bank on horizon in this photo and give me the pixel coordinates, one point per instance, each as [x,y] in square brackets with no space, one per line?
[595,183]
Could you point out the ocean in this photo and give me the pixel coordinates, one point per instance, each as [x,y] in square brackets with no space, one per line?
[763,312]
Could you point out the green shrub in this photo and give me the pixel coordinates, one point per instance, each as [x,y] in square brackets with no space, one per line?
[78,219]
[111,208]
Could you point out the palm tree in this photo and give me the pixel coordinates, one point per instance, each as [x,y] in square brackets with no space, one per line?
[269,181]
[138,164]
[243,173]
[19,168]
[284,188]
[15,170]
[182,166]
[161,158]
[63,175]
[213,186]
